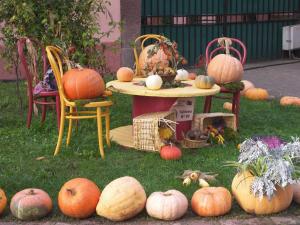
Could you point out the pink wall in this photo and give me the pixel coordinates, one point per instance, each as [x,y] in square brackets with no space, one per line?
[113,58]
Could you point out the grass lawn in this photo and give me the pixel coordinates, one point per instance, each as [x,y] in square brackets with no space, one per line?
[19,148]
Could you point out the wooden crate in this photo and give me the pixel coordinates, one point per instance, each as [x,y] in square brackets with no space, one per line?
[146,130]
[202,120]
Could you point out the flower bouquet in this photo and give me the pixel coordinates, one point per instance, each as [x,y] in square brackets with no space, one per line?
[265,174]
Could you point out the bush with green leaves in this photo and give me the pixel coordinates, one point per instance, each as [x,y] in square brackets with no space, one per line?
[70,24]
[278,166]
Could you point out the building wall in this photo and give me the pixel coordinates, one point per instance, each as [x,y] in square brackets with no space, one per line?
[114,58]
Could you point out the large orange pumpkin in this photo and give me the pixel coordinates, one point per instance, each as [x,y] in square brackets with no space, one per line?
[3,201]
[159,57]
[257,94]
[83,84]
[211,201]
[78,198]
[241,186]
[225,68]
[290,100]
[31,204]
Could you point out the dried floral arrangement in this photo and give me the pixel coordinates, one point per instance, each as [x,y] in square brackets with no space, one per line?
[272,165]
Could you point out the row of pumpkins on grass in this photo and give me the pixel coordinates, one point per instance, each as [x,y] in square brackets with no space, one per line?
[125,197]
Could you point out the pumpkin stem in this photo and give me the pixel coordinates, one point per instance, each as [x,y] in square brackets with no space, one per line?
[31,192]
[167,194]
[71,191]
[226,43]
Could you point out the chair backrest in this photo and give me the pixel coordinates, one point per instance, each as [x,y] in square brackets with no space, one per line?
[140,42]
[57,61]
[240,50]
[30,61]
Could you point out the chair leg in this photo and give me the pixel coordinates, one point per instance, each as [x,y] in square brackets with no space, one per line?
[44,109]
[57,108]
[70,128]
[207,104]
[29,113]
[236,107]
[107,127]
[61,130]
[99,125]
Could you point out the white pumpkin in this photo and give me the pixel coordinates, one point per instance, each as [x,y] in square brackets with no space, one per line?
[296,192]
[169,205]
[121,199]
[154,82]
[182,74]
[247,85]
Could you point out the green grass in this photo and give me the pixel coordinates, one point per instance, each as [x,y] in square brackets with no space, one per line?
[19,148]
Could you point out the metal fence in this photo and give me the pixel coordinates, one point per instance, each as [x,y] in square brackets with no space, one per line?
[193,23]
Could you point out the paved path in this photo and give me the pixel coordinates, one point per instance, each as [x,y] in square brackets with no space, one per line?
[275,220]
[280,80]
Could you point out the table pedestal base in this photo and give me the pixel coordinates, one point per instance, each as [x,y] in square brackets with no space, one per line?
[146,104]
[122,136]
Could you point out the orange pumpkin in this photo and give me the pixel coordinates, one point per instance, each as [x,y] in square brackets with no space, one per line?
[31,204]
[170,152]
[227,106]
[211,201]
[290,100]
[257,94]
[3,201]
[78,198]
[125,74]
[241,190]
[247,85]
[225,68]
[82,84]
[159,57]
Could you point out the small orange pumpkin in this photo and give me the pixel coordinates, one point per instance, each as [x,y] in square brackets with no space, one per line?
[125,74]
[257,94]
[3,201]
[227,106]
[247,85]
[30,204]
[170,152]
[78,198]
[211,201]
[290,100]
[82,84]
[204,82]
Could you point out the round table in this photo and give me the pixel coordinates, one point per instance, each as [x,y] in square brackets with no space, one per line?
[147,101]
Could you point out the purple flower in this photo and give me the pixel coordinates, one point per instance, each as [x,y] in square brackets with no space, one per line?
[271,141]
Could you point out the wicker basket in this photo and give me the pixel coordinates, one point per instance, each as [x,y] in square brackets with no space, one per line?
[202,120]
[146,130]
[188,143]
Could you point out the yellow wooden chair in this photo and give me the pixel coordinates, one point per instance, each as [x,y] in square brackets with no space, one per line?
[69,108]
[139,43]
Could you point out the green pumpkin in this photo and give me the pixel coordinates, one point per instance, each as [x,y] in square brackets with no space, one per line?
[204,82]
